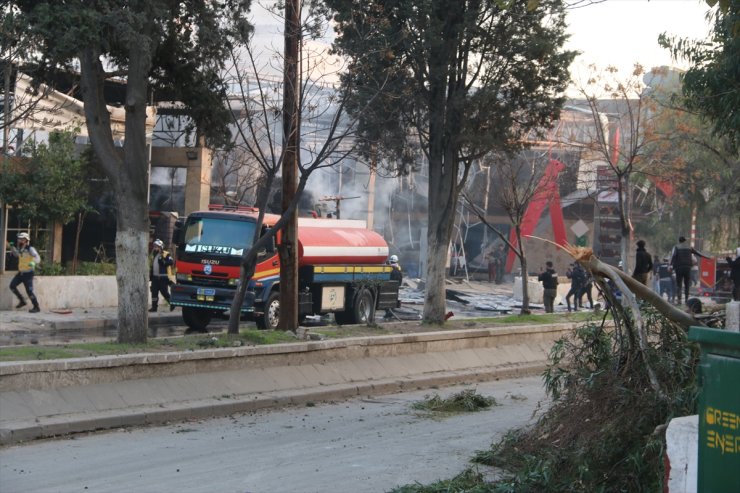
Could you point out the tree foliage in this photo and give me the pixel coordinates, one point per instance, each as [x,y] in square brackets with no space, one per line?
[711,85]
[176,49]
[702,170]
[185,44]
[456,79]
[51,185]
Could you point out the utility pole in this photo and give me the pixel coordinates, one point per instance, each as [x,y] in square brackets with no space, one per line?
[288,248]
[337,199]
[371,188]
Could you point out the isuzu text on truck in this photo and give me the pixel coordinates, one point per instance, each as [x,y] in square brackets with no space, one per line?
[341,269]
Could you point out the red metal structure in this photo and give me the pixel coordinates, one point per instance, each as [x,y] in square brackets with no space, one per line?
[547,196]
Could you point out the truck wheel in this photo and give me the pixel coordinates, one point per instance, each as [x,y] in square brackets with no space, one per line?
[195,318]
[271,318]
[364,308]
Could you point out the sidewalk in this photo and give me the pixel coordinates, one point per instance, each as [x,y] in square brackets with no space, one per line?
[18,326]
[15,323]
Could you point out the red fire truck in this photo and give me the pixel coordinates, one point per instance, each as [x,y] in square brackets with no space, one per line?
[341,269]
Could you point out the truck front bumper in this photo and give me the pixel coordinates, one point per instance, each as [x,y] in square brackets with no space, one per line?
[211,298]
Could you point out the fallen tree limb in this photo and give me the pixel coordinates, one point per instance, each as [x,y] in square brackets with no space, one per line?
[587,259]
[682,318]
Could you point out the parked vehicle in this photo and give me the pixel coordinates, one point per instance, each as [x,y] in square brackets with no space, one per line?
[341,269]
[714,279]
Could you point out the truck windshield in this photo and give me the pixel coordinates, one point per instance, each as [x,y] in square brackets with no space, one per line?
[218,236]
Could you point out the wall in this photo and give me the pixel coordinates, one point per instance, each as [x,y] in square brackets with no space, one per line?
[63,292]
[682,454]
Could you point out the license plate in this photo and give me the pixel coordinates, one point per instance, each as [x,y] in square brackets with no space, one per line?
[206,291]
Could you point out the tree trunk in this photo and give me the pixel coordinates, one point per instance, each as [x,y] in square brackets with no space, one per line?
[443,165]
[440,220]
[624,221]
[75,255]
[132,279]
[525,280]
[129,180]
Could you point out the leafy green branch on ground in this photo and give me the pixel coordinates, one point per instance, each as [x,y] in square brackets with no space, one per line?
[465,401]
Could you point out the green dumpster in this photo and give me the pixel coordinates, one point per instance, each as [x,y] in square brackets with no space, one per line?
[719,409]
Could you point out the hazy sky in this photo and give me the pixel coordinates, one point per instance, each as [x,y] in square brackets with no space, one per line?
[613,32]
[622,32]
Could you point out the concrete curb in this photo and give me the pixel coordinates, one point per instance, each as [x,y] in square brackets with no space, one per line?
[54,426]
[49,398]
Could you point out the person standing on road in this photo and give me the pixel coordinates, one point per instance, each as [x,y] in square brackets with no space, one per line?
[159,274]
[577,276]
[549,280]
[491,257]
[28,259]
[665,280]
[588,286]
[500,259]
[396,275]
[656,279]
[735,274]
[643,263]
[682,258]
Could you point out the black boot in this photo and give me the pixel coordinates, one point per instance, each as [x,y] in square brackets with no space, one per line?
[153,308]
[21,303]
[35,309]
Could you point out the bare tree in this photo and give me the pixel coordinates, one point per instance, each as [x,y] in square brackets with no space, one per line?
[522,180]
[618,138]
[327,137]
[20,96]
[236,176]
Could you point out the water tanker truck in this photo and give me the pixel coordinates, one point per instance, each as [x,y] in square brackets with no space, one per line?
[341,269]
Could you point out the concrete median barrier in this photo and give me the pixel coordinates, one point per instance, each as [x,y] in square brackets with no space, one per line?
[48,398]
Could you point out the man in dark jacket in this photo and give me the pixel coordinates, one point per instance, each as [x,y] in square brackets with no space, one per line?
[682,258]
[577,276]
[643,263]
[160,273]
[665,280]
[735,274]
[549,280]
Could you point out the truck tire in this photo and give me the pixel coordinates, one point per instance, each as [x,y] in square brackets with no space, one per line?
[196,319]
[363,310]
[270,319]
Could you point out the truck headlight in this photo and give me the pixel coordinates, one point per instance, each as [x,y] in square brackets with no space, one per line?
[184,277]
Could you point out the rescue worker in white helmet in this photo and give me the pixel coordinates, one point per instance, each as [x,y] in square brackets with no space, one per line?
[396,275]
[160,273]
[28,260]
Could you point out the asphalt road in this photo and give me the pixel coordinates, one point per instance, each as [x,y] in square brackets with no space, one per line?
[362,445]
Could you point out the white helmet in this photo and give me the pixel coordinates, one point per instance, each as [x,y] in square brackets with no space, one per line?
[24,236]
[394,259]
[158,243]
